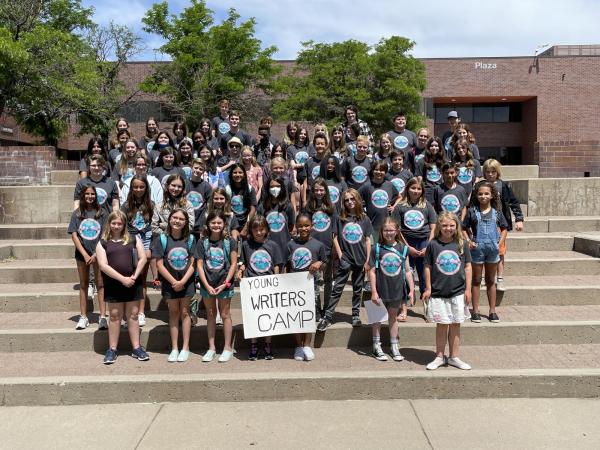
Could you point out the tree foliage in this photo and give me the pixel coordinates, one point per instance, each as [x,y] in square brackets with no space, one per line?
[52,67]
[379,80]
[209,62]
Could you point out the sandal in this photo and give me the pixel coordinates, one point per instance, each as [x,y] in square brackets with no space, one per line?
[402,317]
[156,283]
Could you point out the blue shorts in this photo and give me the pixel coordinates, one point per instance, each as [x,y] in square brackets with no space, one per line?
[485,252]
[226,293]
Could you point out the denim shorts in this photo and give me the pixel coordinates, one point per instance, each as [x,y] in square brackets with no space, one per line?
[485,252]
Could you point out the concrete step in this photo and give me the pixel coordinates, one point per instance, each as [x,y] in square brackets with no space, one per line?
[520,290]
[555,224]
[335,374]
[54,332]
[33,231]
[523,242]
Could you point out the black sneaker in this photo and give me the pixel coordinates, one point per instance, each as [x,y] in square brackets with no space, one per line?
[323,324]
[253,355]
[140,354]
[110,357]
[493,317]
[356,322]
[475,317]
[268,351]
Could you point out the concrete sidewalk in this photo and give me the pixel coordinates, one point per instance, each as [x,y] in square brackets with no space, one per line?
[413,424]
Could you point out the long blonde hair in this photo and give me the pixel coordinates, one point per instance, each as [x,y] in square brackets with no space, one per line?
[118,214]
[458,237]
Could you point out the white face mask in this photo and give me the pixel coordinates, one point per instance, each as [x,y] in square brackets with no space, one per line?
[274,191]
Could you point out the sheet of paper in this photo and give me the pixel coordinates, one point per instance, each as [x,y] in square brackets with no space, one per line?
[376,313]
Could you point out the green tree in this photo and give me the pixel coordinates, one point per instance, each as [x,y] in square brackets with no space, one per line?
[209,62]
[379,80]
[51,68]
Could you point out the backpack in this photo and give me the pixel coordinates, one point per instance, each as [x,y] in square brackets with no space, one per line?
[163,242]
[402,256]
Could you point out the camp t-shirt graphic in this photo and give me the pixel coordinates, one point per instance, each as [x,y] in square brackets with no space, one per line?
[359,174]
[276,221]
[260,261]
[101,195]
[352,233]
[224,127]
[178,258]
[301,157]
[237,204]
[215,259]
[399,184]
[315,172]
[400,142]
[196,200]
[448,262]
[450,203]
[391,264]
[433,174]
[465,175]
[301,258]
[334,193]
[379,198]
[414,219]
[138,221]
[89,229]
[187,170]
[321,221]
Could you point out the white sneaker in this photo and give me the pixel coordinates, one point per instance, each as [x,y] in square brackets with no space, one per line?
[82,323]
[142,319]
[90,291]
[500,284]
[456,362]
[396,355]
[378,353]
[436,363]
[309,355]
[124,324]
[103,323]
[218,319]
[299,354]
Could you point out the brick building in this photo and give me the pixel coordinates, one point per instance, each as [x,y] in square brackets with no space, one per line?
[541,110]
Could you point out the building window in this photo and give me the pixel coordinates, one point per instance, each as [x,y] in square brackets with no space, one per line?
[480,112]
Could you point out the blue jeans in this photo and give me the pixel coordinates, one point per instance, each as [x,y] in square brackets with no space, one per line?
[417,262]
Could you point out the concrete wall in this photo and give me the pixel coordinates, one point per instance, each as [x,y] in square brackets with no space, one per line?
[559,197]
[37,204]
[23,165]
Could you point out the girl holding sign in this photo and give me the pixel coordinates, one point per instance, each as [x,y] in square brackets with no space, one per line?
[389,271]
[448,288]
[305,254]
[216,255]
[260,256]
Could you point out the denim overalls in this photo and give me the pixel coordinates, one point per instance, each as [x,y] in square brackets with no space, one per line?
[486,237]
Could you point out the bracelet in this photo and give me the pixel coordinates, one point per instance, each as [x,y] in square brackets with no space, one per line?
[227,284]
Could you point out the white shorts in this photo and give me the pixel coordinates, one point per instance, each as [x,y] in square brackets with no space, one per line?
[447,310]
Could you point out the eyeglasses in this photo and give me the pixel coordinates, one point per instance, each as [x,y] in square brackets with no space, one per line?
[350,200]
[235,146]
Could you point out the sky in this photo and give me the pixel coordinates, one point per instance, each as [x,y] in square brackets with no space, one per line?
[440,29]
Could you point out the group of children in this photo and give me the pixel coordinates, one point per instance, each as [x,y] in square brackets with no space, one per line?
[200,217]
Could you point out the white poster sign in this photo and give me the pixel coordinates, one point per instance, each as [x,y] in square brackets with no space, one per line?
[278,304]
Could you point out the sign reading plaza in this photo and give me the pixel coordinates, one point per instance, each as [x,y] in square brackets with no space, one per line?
[278,304]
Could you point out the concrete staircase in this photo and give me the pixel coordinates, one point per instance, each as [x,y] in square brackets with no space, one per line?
[547,345]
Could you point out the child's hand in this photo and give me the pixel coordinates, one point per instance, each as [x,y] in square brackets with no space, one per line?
[239,274]
[518,226]
[212,291]
[314,267]
[177,286]
[468,297]
[413,251]
[472,245]
[411,298]
[128,282]
[426,295]
[367,267]
[375,298]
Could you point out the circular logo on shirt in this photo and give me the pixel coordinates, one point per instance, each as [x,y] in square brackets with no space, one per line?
[414,219]
[101,195]
[301,258]
[352,233]
[301,157]
[450,203]
[260,261]
[178,258]
[401,142]
[448,262]
[276,221]
[89,229]
[187,170]
[399,184]
[433,174]
[321,221]
[195,199]
[224,127]
[334,194]
[379,198]
[419,157]
[164,180]
[448,144]
[465,175]
[315,172]
[138,222]
[351,149]
[215,260]
[391,264]
[127,175]
[237,204]
[359,174]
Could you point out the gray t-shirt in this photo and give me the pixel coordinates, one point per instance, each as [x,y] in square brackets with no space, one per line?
[279,221]
[198,196]
[352,235]
[106,191]
[447,267]
[261,259]
[216,261]
[414,221]
[377,198]
[302,254]
[452,200]
[399,179]
[137,224]
[324,228]
[355,172]
[176,256]
[466,177]
[389,275]
[88,228]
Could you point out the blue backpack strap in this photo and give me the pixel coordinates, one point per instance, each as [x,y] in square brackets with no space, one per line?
[190,243]
[227,248]
[163,241]
[377,255]
[206,245]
